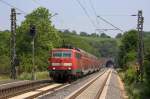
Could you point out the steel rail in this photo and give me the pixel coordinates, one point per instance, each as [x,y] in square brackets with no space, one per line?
[103,86]
[78,92]
[46,91]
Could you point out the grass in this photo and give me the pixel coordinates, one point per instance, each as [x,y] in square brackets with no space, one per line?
[42,75]
[4,77]
[27,76]
[39,76]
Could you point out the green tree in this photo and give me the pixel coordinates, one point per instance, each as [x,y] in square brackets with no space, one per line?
[46,38]
[119,35]
[147,66]
[74,32]
[83,34]
[108,48]
[128,48]
[4,51]
[66,31]
[94,35]
[103,35]
[129,40]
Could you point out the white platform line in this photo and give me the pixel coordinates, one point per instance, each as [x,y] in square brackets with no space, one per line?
[104,92]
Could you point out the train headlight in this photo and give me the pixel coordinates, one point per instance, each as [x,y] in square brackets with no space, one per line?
[67,64]
[69,68]
[54,68]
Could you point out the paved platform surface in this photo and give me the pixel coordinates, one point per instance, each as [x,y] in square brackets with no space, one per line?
[12,83]
[7,81]
[114,89]
[34,92]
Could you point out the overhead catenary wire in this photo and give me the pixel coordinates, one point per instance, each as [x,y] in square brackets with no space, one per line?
[35,1]
[86,13]
[12,6]
[22,11]
[110,23]
[122,15]
[92,6]
[95,13]
[84,9]
[98,16]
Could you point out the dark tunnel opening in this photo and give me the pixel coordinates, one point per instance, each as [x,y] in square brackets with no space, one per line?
[109,63]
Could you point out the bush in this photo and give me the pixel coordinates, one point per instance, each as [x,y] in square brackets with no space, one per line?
[147,70]
[130,75]
[25,76]
[4,64]
[39,75]
[42,75]
[4,77]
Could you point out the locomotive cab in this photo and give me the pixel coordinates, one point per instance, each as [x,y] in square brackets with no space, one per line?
[61,63]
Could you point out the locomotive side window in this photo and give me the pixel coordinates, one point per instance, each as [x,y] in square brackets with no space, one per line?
[57,54]
[66,54]
[62,54]
[78,56]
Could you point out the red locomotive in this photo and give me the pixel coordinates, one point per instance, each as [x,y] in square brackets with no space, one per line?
[66,63]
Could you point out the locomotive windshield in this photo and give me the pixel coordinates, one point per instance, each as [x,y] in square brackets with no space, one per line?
[62,54]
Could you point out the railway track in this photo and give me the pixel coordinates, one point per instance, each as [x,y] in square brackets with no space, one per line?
[16,88]
[39,92]
[33,89]
[92,89]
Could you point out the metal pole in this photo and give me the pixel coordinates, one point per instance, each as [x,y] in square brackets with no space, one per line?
[13,43]
[140,44]
[33,33]
[33,60]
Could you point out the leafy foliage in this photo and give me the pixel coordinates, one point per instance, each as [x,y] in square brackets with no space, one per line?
[130,75]
[46,38]
[103,35]
[127,58]
[119,35]
[4,51]
[83,34]
[128,48]
[100,47]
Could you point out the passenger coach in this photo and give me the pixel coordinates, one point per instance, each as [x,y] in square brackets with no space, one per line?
[72,63]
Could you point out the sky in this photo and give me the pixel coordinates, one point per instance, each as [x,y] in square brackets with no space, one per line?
[71,16]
